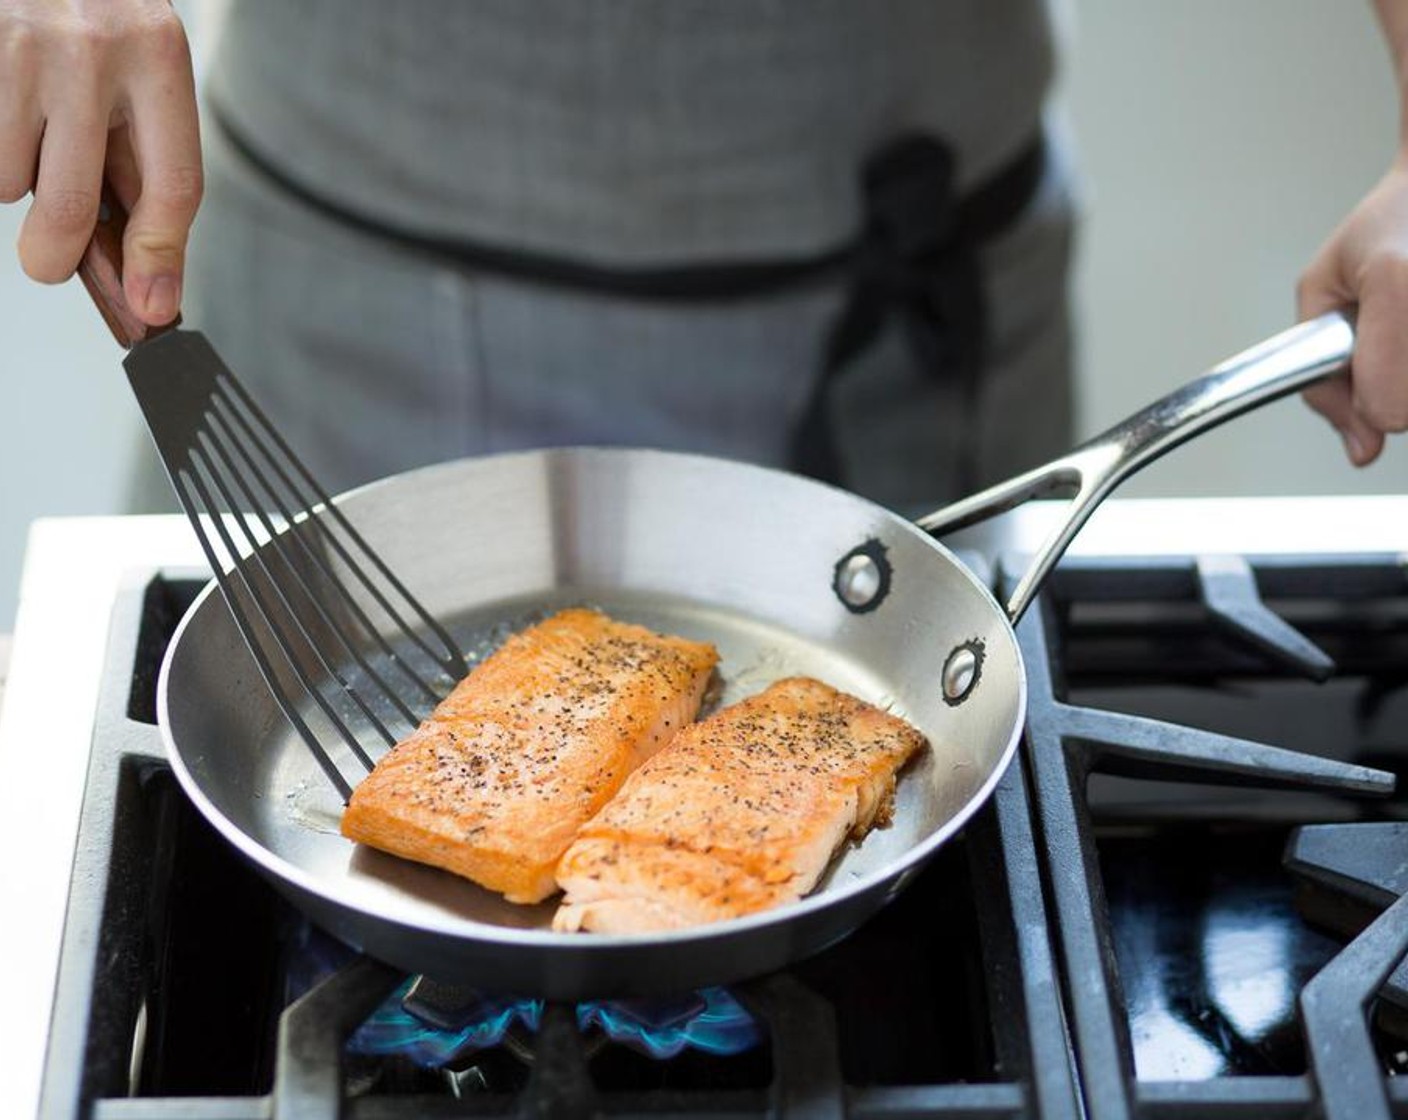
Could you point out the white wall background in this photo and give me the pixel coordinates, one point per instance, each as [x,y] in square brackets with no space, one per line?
[1220,142]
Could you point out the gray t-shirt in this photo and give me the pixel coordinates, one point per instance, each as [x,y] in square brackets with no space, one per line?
[625,132]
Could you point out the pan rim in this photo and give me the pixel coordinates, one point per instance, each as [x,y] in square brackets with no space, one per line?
[286,873]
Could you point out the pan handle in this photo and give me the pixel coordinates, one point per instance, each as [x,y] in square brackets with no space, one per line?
[1313,350]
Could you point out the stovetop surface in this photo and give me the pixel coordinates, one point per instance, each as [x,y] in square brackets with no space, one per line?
[1190,995]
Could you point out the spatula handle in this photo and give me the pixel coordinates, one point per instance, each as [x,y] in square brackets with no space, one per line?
[101,273]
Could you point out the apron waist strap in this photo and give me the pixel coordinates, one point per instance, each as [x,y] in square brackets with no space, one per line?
[982,212]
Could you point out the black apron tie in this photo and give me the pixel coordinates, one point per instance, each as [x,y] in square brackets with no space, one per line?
[917,263]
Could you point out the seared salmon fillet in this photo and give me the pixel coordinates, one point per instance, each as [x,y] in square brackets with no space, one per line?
[741,812]
[527,748]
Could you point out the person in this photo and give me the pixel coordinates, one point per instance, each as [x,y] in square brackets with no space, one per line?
[824,235]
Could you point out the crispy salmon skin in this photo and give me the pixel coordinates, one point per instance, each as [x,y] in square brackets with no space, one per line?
[527,748]
[741,812]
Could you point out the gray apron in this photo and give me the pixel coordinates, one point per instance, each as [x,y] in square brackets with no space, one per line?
[376,354]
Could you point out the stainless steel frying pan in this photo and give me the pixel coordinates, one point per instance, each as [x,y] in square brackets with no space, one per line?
[783,574]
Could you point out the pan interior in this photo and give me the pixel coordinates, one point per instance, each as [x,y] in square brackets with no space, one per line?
[771,612]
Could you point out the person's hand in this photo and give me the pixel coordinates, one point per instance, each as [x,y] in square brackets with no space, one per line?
[1365,263]
[90,88]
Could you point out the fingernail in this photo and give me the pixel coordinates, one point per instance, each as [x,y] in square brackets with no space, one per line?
[163,299]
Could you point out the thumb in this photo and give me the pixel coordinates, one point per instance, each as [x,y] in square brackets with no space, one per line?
[154,243]
[154,263]
[160,151]
[1322,286]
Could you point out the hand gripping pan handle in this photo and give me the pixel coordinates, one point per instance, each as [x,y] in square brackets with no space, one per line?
[1307,353]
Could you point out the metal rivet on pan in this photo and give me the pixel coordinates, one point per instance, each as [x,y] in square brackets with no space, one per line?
[862,577]
[858,581]
[961,671]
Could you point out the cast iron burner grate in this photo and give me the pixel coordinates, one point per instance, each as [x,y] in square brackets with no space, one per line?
[1001,984]
[1132,873]
[1354,881]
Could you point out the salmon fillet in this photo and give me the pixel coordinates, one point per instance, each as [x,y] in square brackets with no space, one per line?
[527,748]
[741,812]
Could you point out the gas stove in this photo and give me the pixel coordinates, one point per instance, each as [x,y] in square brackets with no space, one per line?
[1184,900]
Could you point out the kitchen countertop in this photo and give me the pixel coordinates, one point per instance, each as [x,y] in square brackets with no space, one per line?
[75,566]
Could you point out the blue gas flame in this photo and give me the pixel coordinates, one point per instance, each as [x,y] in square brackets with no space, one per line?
[710,1020]
[391,1029]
